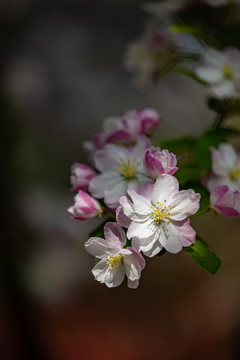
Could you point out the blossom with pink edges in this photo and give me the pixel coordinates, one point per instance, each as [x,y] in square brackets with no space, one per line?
[225,201]
[115,260]
[159,216]
[149,120]
[225,167]
[125,130]
[221,71]
[121,169]
[85,207]
[158,162]
[81,174]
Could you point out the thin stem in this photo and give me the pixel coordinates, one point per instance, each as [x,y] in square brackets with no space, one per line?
[218,121]
[199,213]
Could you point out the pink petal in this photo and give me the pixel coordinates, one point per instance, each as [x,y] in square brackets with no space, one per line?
[114,234]
[121,218]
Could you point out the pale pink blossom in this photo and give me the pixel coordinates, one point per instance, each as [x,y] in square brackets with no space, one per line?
[225,167]
[115,260]
[85,207]
[158,162]
[147,57]
[225,200]
[81,174]
[159,216]
[149,120]
[125,130]
[121,169]
[221,71]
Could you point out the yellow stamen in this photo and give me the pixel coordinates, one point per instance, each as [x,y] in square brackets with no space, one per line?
[235,173]
[160,213]
[128,168]
[113,261]
[227,71]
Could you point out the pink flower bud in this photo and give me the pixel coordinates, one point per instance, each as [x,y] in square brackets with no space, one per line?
[225,200]
[85,207]
[149,120]
[158,162]
[80,177]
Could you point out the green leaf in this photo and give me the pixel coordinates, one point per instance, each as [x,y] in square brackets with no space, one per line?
[186,29]
[191,75]
[203,256]
[98,231]
[187,173]
[198,188]
[183,147]
[192,30]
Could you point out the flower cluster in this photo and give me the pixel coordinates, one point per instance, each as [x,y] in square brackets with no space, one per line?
[139,191]
[148,56]
[147,203]
[221,71]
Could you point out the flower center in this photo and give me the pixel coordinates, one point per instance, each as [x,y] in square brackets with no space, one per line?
[235,173]
[127,168]
[160,212]
[113,261]
[227,71]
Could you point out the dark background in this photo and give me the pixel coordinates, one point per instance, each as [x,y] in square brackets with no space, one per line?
[62,73]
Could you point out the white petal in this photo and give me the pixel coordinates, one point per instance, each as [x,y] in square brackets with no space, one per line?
[147,244]
[112,196]
[143,179]
[138,151]
[146,191]
[97,247]
[186,233]
[223,89]
[141,204]
[209,73]
[103,182]
[109,158]
[220,166]
[184,204]
[157,247]
[132,284]
[164,187]
[129,211]
[100,271]
[140,230]
[115,276]
[229,154]
[132,267]
[214,57]
[170,239]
